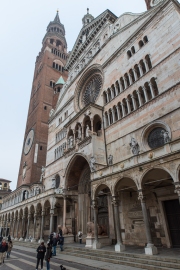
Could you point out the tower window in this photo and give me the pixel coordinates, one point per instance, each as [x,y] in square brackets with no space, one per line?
[41,148]
[51,41]
[45,108]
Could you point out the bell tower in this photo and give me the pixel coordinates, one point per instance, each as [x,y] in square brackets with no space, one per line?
[49,67]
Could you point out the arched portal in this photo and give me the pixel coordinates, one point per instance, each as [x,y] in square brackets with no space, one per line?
[78,185]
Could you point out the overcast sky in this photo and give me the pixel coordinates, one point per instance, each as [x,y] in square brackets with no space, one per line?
[23,26]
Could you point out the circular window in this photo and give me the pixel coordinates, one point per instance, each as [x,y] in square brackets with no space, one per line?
[92,89]
[156,138]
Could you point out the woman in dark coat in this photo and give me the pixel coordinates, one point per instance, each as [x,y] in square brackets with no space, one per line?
[48,256]
[41,250]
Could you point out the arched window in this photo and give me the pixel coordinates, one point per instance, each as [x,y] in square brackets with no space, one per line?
[57,180]
[148,61]
[143,66]
[129,54]
[104,97]
[133,50]
[137,71]
[145,39]
[141,44]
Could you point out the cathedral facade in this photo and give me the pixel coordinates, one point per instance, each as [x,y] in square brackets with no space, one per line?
[112,164]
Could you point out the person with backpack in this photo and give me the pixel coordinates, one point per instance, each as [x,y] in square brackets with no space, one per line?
[54,245]
[48,256]
[41,250]
[80,236]
[3,250]
[61,242]
[10,246]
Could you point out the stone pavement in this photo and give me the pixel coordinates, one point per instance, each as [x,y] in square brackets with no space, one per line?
[76,260]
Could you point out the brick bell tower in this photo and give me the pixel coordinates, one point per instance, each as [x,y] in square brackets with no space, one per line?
[49,69]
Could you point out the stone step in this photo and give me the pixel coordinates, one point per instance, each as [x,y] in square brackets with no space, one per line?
[100,252]
[128,261]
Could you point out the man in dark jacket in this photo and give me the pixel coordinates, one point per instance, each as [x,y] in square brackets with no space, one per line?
[61,242]
[3,250]
[54,245]
[41,250]
[48,256]
[51,238]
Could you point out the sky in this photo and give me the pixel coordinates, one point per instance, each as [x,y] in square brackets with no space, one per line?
[23,26]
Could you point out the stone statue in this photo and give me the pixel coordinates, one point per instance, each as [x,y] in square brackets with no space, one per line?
[53,183]
[92,164]
[165,135]
[90,229]
[71,142]
[51,112]
[87,131]
[26,195]
[37,191]
[79,132]
[110,160]
[134,147]
[42,173]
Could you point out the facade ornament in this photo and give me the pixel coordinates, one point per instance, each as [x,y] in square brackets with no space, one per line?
[110,160]
[177,188]
[141,196]
[51,112]
[37,191]
[165,135]
[134,147]
[87,131]
[53,183]
[71,142]
[59,191]
[79,132]
[42,173]
[150,155]
[92,164]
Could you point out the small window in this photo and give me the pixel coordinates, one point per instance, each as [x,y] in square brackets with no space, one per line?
[129,54]
[41,148]
[45,108]
[133,50]
[51,41]
[141,44]
[5,185]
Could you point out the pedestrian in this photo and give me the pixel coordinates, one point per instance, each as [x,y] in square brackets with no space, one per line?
[80,236]
[60,232]
[9,238]
[41,250]
[61,242]
[10,246]
[48,256]
[54,245]
[3,250]
[51,238]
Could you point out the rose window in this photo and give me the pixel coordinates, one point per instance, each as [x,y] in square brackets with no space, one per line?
[156,138]
[92,89]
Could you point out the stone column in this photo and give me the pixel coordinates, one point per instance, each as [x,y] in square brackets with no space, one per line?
[123,111]
[28,223]
[139,97]
[107,96]
[145,94]
[116,90]
[22,228]
[14,221]
[130,78]
[135,75]
[119,247]
[6,227]
[177,189]
[42,226]
[150,249]
[105,124]
[152,90]
[96,243]
[34,229]
[120,86]
[17,229]
[113,115]
[92,128]
[146,65]
[134,102]
[118,112]
[64,212]
[82,132]
[108,119]
[125,82]
[128,105]
[10,226]
[51,220]
[140,69]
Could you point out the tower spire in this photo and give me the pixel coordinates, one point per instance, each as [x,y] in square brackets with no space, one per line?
[56,19]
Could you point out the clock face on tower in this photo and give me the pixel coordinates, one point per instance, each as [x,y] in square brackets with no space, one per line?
[29,142]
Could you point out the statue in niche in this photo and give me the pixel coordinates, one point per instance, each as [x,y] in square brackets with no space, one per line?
[90,229]
[92,164]
[134,147]
[79,132]
[110,160]
[87,131]
[71,142]
[165,135]
[53,183]
[42,173]
[37,191]
[51,112]
[26,195]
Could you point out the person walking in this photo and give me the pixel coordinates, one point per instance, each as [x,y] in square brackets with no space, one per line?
[80,236]
[48,256]
[54,245]
[9,238]
[3,250]
[51,238]
[41,250]
[10,246]
[61,243]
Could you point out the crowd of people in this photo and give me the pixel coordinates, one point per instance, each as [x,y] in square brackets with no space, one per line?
[5,248]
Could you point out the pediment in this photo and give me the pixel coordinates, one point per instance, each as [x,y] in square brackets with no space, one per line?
[88,33]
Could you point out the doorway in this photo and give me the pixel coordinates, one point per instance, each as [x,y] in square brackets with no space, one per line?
[172,209]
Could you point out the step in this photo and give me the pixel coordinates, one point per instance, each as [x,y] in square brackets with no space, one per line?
[123,254]
[127,260]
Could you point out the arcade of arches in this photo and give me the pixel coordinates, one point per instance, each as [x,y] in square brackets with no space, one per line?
[121,211]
